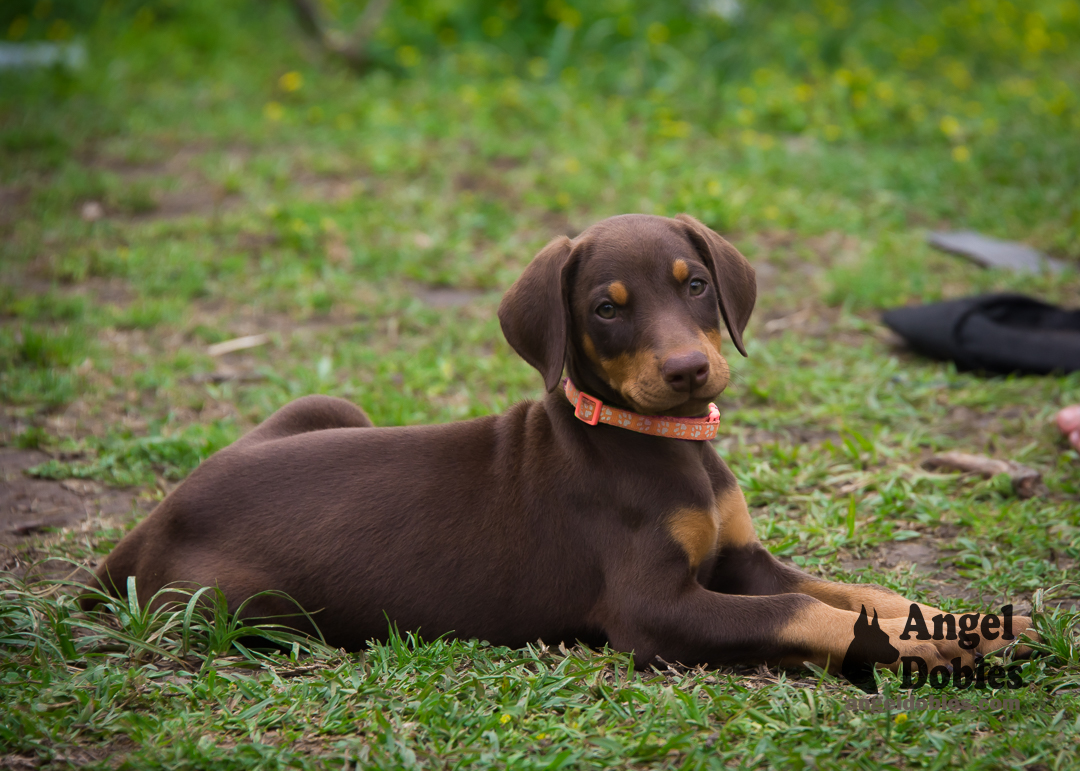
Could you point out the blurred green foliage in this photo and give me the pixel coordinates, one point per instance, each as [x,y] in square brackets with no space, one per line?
[830,67]
[992,83]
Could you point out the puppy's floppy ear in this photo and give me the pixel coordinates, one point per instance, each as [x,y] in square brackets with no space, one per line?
[535,311]
[736,284]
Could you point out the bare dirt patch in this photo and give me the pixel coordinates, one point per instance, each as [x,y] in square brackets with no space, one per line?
[29,506]
[11,201]
[926,557]
[168,188]
[445,296]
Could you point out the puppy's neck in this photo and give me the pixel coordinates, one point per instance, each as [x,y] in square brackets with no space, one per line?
[582,375]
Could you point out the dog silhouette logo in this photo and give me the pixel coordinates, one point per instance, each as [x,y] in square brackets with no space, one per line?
[870,646]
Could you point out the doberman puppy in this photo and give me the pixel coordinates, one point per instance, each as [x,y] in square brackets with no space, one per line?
[546,521]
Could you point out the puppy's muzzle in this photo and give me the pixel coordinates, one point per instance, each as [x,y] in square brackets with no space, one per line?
[686,372]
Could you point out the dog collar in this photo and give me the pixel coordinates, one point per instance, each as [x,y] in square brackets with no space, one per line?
[591,410]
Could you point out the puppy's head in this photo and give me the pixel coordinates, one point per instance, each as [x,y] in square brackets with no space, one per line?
[633,307]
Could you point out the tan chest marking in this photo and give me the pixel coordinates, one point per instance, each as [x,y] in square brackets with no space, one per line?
[737,529]
[702,532]
[695,530]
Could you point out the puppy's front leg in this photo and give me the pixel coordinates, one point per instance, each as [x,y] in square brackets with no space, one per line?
[750,569]
[699,626]
[743,566]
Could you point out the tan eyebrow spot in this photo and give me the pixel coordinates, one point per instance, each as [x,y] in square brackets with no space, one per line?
[680,270]
[617,292]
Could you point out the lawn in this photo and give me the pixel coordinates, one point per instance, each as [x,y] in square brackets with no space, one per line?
[210,173]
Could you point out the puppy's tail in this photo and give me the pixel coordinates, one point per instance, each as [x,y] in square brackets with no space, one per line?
[308,413]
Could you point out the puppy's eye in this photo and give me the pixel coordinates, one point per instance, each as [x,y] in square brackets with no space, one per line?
[697,286]
[606,311]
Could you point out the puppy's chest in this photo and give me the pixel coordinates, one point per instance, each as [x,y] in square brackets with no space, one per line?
[701,531]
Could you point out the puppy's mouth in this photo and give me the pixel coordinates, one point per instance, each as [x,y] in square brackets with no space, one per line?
[671,382]
[670,404]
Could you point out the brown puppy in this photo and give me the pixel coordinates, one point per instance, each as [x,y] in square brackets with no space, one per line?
[532,524]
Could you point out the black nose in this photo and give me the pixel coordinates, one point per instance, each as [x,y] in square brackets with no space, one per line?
[686,371]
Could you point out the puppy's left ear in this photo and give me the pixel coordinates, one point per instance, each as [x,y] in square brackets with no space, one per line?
[535,312]
[736,284]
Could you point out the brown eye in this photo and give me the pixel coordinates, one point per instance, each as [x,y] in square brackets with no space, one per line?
[606,311]
[697,286]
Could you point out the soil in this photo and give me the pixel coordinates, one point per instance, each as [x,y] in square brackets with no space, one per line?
[30,507]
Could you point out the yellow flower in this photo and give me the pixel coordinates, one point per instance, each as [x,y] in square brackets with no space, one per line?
[469,95]
[958,74]
[960,154]
[505,719]
[273,111]
[657,33]
[291,81]
[1036,40]
[408,56]
[901,718]
[18,27]
[950,127]
[58,30]
[674,129]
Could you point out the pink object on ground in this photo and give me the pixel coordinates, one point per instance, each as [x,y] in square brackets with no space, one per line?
[1068,421]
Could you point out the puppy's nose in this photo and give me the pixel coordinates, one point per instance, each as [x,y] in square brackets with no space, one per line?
[686,371]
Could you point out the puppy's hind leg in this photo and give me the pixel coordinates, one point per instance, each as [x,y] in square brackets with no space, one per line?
[308,413]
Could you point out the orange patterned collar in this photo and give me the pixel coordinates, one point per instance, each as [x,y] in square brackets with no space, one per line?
[591,410]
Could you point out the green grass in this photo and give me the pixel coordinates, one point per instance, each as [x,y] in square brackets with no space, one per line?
[326,210]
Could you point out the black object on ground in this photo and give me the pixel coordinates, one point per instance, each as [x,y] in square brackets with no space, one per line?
[992,253]
[996,334]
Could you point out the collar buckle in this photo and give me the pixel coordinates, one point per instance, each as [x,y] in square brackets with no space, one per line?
[587,408]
